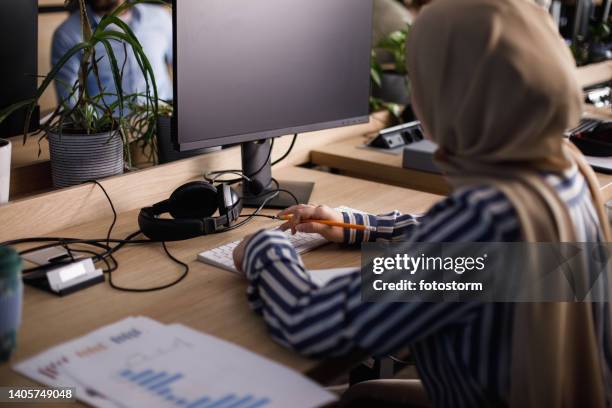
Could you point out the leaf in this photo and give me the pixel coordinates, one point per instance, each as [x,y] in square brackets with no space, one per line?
[47,81]
[6,112]
[395,43]
[85,24]
[142,61]
[376,78]
[92,113]
[129,4]
[117,77]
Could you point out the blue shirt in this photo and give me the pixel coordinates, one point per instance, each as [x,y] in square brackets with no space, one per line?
[463,351]
[151,24]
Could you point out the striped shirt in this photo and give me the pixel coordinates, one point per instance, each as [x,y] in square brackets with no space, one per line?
[462,350]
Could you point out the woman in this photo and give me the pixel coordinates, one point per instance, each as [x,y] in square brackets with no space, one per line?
[494,86]
[152,25]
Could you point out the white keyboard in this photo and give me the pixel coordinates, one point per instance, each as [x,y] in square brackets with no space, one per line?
[222,256]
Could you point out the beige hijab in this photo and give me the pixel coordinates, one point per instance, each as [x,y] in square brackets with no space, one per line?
[495,87]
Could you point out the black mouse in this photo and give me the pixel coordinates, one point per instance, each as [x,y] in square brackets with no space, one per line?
[597,142]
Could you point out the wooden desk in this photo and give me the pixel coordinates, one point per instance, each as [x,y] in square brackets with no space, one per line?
[594,74]
[31,173]
[209,299]
[351,160]
[346,157]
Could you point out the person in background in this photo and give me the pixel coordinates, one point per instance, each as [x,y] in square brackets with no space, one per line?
[152,25]
[495,87]
[389,16]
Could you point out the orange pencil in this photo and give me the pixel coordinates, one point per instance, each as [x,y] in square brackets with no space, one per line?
[334,224]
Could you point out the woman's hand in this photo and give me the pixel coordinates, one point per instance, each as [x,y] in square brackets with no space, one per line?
[299,213]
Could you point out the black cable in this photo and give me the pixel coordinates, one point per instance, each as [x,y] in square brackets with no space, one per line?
[67,240]
[112,206]
[130,240]
[39,271]
[271,217]
[250,217]
[104,244]
[281,190]
[274,194]
[243,177]
[288,152]
[249,176]
[156,288]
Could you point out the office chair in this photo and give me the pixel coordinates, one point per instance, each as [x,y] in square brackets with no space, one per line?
[386,393]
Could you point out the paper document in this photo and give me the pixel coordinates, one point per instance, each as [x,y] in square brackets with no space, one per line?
[322,277]
[48,367]
[138,362]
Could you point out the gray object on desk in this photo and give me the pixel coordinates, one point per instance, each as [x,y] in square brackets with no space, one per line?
[419,156]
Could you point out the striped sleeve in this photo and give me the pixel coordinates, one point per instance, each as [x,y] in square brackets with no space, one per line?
[332,320]
[393,226]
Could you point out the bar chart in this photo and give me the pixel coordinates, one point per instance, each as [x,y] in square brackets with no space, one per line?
[139,362]
[159,384]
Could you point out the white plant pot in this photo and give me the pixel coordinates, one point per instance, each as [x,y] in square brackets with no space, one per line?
[78,158]
[5,170]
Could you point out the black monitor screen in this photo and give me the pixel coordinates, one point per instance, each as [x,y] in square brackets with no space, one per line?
[248,70]
[18,67]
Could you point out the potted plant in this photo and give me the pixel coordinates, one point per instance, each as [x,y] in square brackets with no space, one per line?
[89,136]
[391,87]
[147,149]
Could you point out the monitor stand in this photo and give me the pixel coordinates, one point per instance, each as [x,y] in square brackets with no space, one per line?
[257,166]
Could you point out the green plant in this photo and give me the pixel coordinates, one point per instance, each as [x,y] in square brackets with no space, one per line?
[82,112]
[395,45]
[137,124]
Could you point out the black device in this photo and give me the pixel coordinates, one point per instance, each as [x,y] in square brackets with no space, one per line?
[193,207]
[248,71]
[71,277]
[599,96]
[18,70]
[583,12]
[398,136]
[593,138]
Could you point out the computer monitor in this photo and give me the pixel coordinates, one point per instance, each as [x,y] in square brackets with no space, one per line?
[18,28]
[246,71]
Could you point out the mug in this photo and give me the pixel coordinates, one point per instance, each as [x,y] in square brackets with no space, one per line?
[11,295]
[5,170]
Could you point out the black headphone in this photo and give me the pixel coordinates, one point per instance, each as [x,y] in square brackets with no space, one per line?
[591,146]
[596,141]
[192,207]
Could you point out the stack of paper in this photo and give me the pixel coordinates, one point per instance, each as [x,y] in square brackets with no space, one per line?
[139,362]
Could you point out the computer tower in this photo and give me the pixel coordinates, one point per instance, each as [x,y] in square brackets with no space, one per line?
[18,53]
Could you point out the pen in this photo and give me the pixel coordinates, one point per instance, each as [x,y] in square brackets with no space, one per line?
[334,224]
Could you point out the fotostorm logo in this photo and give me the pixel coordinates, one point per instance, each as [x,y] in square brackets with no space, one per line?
[487,272]
[423,263]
